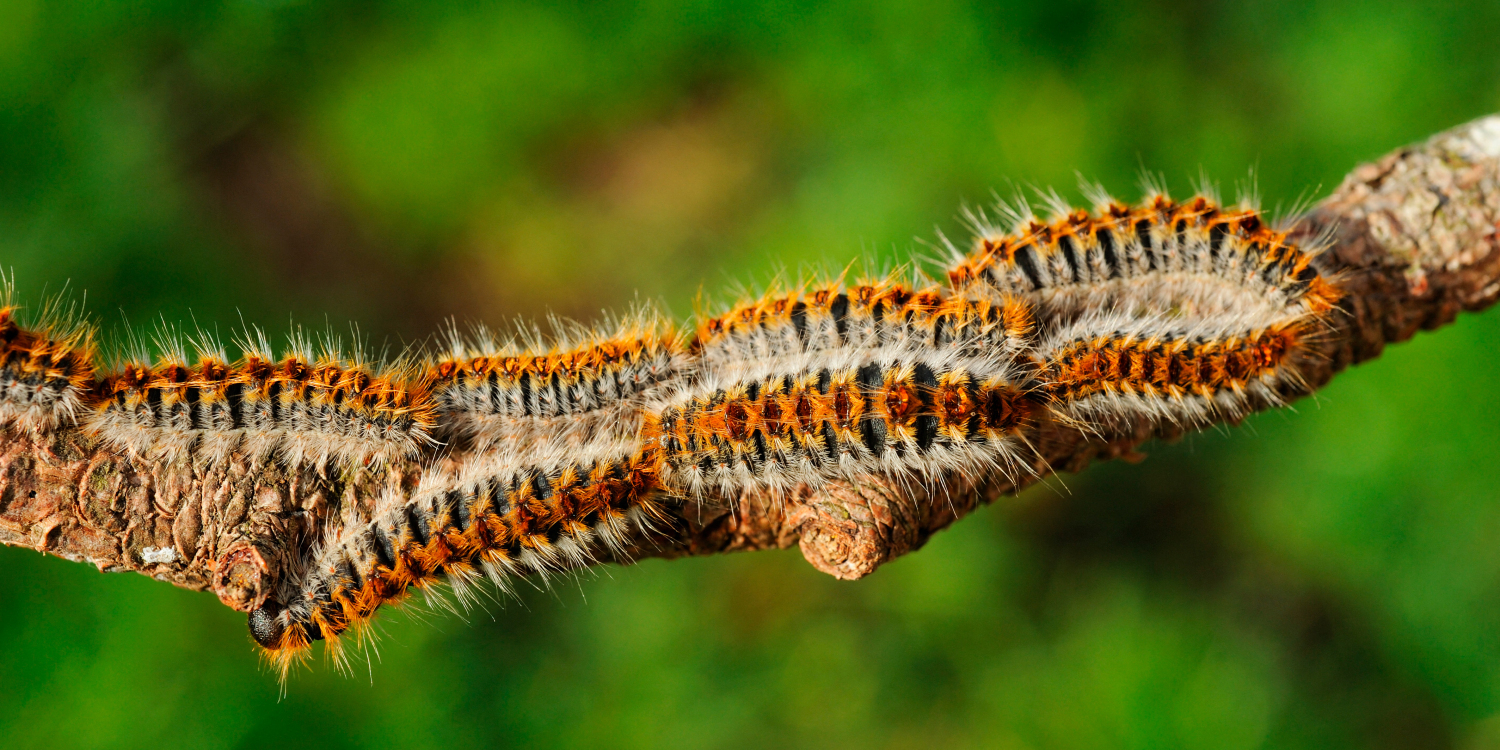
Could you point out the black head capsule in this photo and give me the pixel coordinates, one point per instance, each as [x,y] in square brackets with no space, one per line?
[265,624]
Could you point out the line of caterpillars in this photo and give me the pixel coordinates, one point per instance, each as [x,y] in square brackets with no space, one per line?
[1185,313]
[557,507]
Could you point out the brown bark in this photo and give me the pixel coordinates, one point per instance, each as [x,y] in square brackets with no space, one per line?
[231,527]
[1415,240]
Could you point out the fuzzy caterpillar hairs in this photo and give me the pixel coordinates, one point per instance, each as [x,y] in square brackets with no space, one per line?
[1202,319]
[494,517]
[1157,257]
[1173,312]
[552,455]
[573,391]
[1138,371]
[802,389]
[831,317]
[301,408]
[525,505]
[46,366]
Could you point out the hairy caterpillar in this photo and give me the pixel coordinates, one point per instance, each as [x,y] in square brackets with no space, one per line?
[802,389]
[490,394]
[301,408]
[1179,312]
[1108,378]
[46,370]
[883,312]
[1193,257]
[492,517]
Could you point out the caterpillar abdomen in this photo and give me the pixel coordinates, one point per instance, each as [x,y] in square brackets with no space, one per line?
[567,396]
[489,519]
[1111,379]
[861,317]
[888,415]
[1171,312]
[806,389]
[1153,258]
[304,412]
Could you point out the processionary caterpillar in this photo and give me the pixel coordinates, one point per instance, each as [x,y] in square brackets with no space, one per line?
[876,379]
[492,395]
[493,517]
[299,408]
[46,367]
[1177,312]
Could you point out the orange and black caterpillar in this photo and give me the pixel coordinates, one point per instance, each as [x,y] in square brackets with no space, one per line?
[490,395]
[1140,310]
[832,317]
[491,518]
[1116,377]
[908,415]
[530,505]
[799,390]
[1166,312]
[300,409]
[1161,256]
[46,371]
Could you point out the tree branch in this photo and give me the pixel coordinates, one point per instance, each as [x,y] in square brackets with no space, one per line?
[1415,239]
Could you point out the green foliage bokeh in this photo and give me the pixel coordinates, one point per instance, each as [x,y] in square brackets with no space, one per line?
[1325,576]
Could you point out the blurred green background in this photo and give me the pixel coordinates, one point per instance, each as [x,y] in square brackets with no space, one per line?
[1322,577]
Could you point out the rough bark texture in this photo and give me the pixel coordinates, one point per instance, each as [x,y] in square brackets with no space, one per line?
[230,527]
[1415,240]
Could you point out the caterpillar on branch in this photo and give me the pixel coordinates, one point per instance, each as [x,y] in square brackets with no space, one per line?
[473,460]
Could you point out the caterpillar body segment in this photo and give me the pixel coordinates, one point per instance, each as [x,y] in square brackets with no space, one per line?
[46,370]
[832,317]
[891,412]
[804,389]
[296,409]
[491,396]
[1180,313]
[494,517]
[1194,259]
[1111,375]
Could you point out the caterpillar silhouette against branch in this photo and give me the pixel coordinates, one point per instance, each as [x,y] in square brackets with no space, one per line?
[537,460]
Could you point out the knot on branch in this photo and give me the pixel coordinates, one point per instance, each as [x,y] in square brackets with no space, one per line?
[850,530]
[241,578]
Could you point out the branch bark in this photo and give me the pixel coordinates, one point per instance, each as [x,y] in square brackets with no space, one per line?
[1415,240]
